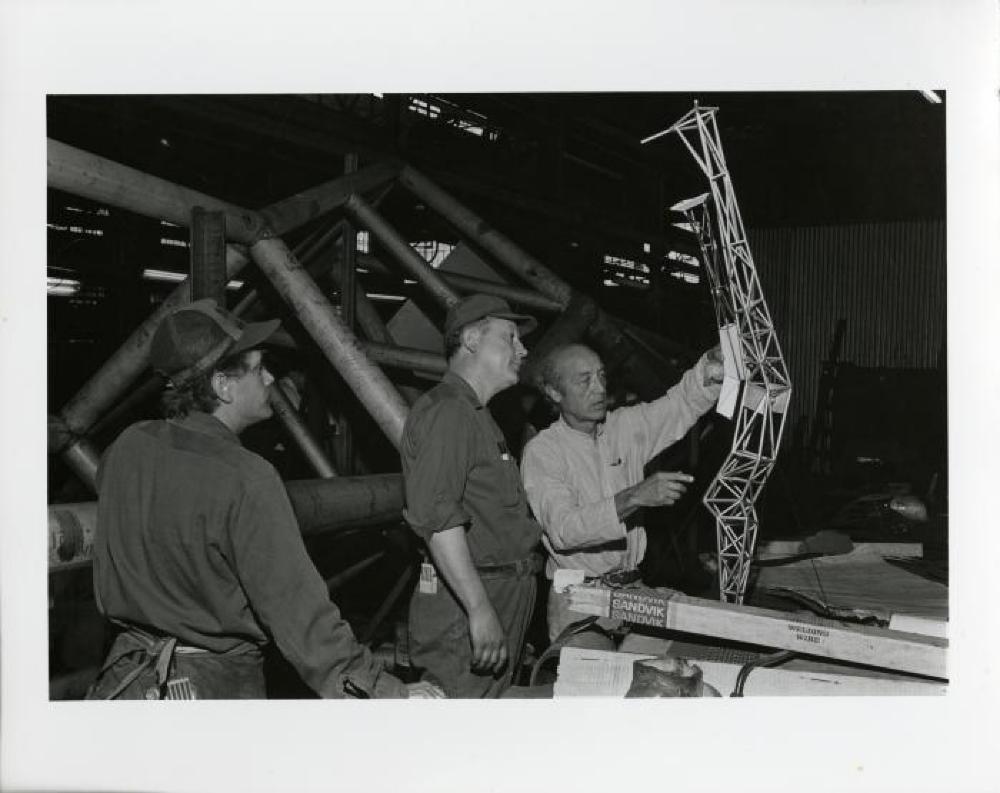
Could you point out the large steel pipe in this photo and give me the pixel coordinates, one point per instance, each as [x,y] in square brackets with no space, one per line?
[78,453]
[91,176]
[126,363]
[88,175]
[334,338]
[365,314]
[306,251]
[320,505]
[518,296]
[152,384]
[299,209]
[323,505]
[468,284]
[406,357]
[489,239]
[82,173]
[641,374]
[299,433]
[402,252]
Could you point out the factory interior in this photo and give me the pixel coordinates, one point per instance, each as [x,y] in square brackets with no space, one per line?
[396,205]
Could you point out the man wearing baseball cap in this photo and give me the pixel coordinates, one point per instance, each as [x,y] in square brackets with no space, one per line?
[198,557]
[464,498]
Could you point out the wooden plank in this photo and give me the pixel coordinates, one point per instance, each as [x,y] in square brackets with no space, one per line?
[907,652]
[600,673]
[776,549]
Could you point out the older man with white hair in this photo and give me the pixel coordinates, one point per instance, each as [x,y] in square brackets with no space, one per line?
[585,480]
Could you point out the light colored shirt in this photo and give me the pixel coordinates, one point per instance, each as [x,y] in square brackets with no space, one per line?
[571,477]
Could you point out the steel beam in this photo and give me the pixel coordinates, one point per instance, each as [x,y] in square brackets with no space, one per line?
[352,572]
[320,506]
[468,284]
[406,357]
[603,331]
[335,340]
[474,228]
[78,453]
[208,255]
[299,433]
[127,362]
[82,173]
[414,264]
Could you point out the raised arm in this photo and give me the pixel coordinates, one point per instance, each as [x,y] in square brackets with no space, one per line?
[656,425]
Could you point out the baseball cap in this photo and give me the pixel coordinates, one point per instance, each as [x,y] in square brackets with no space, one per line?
[478,306]
[196,336]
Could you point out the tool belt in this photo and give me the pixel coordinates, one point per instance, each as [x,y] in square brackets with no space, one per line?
[616,578]
[530,565]
[154,653]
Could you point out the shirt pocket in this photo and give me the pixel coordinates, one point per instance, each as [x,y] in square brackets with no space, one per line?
[511,489]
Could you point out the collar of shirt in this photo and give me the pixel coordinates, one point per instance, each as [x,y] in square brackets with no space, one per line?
[208,424]
[565,427]
[462,388]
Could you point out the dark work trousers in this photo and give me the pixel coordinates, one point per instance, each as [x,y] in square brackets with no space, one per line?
[139,666]
[439,633]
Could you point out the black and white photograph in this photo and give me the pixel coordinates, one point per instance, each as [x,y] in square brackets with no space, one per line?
[431,429]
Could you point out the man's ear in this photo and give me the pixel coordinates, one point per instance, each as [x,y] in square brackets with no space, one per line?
[552,393]
[220,385]
[471,337]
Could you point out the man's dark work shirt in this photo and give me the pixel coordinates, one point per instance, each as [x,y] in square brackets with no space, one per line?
[458,471]
[196,539]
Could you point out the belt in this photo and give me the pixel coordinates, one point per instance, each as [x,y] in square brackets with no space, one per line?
[531,565]
[616,578]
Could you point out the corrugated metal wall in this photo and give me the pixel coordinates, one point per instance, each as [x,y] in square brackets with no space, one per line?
[887,280]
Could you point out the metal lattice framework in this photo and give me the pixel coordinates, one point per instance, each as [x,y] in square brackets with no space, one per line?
[757,385]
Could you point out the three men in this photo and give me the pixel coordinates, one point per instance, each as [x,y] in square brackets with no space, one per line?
[464,498]
[584,474]
[198,556]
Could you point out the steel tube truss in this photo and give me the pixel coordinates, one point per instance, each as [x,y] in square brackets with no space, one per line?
[757,386]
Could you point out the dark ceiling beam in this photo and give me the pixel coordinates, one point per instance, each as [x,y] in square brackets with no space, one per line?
[333,142]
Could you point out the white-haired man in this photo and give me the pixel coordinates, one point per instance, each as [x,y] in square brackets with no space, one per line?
[584,474]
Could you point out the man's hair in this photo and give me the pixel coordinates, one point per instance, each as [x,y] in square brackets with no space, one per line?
[196,393]
[453,340]
[548,375]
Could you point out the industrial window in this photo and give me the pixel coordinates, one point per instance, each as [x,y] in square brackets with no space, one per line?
[453,115]
[434,252]
[625,272]
[684,275]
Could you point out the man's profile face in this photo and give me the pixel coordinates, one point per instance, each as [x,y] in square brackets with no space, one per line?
[500,349]
[582,394]
[248,391]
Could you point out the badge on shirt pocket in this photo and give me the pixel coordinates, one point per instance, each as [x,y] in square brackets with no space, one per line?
[428,579]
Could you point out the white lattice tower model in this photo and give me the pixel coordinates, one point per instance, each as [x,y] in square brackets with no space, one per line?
[756,385]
